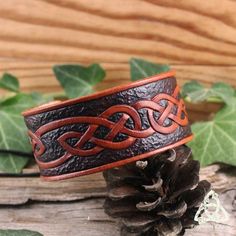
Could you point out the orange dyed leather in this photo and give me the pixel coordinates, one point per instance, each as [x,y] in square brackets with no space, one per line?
[129,112]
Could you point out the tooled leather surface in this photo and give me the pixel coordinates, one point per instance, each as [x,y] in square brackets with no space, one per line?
[53,149]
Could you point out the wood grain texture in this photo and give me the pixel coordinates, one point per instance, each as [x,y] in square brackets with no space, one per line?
[83,218]
[198,40]
[61,219]
[38,76]
[18,191]
[51,213]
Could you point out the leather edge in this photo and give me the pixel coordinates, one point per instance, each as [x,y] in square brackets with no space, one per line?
[59,104]
[117,163]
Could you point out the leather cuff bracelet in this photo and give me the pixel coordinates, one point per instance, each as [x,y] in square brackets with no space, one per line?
[108,129]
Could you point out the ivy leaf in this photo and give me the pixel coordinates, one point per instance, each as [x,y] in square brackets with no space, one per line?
[195,92]
[23,232]
[13,133]
[141,69]
[78,80]
[9,82]
[223,91]
[215,141]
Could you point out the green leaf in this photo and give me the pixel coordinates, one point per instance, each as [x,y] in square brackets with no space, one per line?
[141,69]
[41,98]
[13,132]
[215,141]
[219,92]
[193,89]
[223,91]
[11,232]
[78,80]
[9,82]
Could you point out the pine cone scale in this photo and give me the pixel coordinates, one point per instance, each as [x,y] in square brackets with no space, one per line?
[156,196]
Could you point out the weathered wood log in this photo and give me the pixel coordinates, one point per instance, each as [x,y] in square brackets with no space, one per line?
[221,177]
[54,219]
[85,218]
[75,207]
[16,191]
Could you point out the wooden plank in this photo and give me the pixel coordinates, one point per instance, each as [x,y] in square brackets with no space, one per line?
[112,31]
[15,191]
[221,177]
[198,40]
[37,32]
[38,76]
[202,111]
[85,218]
[72,219]
[51,213]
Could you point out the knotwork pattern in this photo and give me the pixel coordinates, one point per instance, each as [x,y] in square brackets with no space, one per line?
[173,110]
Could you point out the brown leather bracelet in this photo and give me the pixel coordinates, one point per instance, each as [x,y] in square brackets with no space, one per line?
[108,129]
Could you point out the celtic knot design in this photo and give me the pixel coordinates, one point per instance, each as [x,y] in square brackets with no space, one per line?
[173,110]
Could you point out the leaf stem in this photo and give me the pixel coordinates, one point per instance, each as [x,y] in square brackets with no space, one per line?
[210,100]
[33,174]
[17,153]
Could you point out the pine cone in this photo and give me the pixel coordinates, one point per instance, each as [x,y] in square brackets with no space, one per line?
[156,196]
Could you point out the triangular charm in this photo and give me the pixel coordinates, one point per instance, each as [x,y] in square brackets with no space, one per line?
[211,210]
